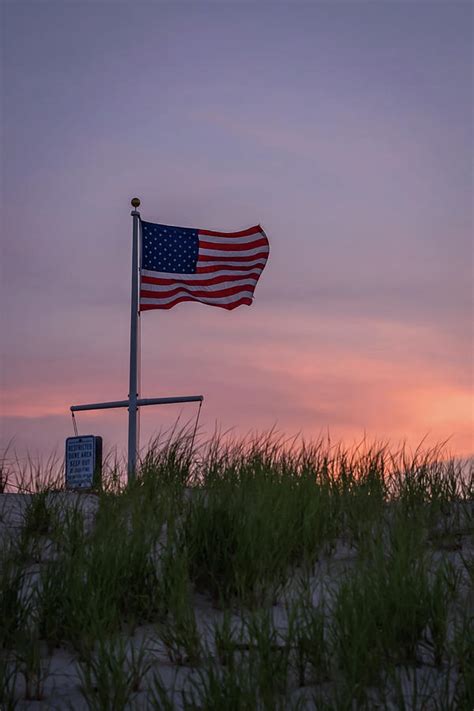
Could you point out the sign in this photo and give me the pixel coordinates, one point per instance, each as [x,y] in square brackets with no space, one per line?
[83,461]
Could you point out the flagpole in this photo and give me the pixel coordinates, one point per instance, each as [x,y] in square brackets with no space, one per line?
[134,324]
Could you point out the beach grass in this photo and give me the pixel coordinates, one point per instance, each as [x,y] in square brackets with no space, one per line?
[264,573]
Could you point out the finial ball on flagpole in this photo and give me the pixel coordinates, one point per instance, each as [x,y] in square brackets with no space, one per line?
[135,202]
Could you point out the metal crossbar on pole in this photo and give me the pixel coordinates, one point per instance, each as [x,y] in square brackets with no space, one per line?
[141,402]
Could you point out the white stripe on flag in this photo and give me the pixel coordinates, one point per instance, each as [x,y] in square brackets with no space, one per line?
[200,287]
[226,263]
[232,240]
[207,299]
[201,276]
[225,253]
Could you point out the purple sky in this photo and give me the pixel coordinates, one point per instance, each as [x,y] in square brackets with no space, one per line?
[344,128]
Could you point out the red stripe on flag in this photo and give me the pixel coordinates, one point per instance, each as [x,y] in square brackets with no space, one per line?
[201,282]
[242,233]
[229,247]
[218,258]
[196,293]
[208,269]
[229,307]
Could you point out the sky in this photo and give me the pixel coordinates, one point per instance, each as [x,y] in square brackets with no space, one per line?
[344,128]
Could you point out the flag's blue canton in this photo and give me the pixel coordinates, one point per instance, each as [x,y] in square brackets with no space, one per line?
[169,249]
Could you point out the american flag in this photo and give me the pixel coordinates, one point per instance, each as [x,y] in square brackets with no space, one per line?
[185,264]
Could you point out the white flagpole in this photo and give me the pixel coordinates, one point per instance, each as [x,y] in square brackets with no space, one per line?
[134,325]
